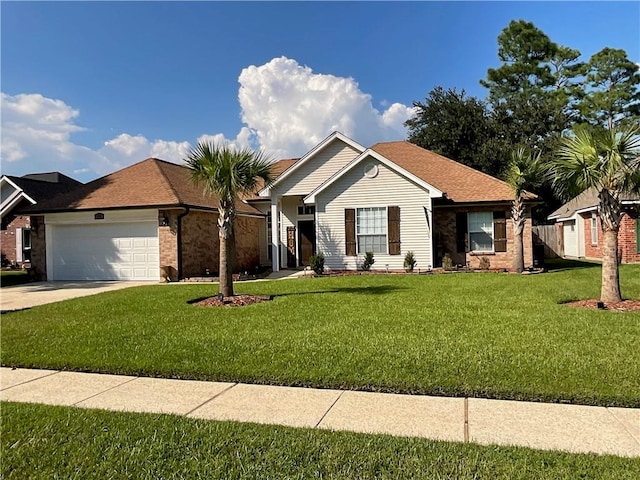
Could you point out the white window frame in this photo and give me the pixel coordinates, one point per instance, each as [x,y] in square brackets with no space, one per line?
[594,229]
[490,233]
[385,225]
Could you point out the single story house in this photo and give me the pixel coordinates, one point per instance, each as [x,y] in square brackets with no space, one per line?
[341,199]
[16,193]
[580,229]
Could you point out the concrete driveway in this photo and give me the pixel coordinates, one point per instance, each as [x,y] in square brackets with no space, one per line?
[29,295]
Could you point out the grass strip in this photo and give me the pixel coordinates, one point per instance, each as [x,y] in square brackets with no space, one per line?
[41,442]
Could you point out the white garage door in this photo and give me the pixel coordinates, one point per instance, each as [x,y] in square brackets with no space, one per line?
[570,233]
[112,251]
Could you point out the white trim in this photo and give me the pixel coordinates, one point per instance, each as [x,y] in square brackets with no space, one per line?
[14,197]
[433,191]
[593,226]
[19,256]
[265,192]
[275,235]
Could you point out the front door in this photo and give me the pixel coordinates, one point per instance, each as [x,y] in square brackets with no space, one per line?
[291,247]
[307,241]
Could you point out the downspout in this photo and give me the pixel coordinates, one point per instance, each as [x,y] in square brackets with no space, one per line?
[179,240]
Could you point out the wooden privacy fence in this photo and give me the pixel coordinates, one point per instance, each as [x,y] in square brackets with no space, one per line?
[550,236]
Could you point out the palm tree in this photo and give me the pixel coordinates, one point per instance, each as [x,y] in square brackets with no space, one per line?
[228,173]
[609,161]
[524,171]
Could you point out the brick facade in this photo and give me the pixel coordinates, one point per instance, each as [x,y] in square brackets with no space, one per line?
[39,247]
[444,227]
[8,237]
[627,241]
[201,244]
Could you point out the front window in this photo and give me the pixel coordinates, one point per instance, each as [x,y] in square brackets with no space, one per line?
[306,209]
[481,231]
[26,245]
[594,229]
[371,229]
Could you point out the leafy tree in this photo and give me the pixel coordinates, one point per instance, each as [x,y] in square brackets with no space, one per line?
[456,126]
[611,92]
[228,173]
[524,172]
[609,161]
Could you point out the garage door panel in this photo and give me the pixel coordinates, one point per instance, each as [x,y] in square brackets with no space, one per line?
[127,251]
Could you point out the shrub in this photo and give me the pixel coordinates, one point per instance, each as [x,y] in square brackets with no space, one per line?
[409,261]
[367,261]
[485,264]
[317,263]
[447,263]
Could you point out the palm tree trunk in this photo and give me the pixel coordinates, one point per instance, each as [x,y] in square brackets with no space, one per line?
[610,212]
[518,219]
[225,233]
[610,292]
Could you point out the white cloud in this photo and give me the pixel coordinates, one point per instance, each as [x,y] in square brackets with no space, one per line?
[289,108]
[286,109]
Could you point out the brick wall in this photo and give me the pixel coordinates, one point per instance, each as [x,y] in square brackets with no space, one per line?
[168,241]
[248,241]
[201,244]
[39,248]
[8,237]
[627,241]
[444,225]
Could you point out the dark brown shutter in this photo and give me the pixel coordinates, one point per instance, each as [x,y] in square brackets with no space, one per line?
[350,230]
[499,231]
[393,230]
[461,232]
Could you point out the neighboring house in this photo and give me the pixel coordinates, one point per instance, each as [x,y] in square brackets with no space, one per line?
[16,193]
[129,224]
[343,200]
[581,232]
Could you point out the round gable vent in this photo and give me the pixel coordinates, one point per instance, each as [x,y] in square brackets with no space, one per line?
[370,170]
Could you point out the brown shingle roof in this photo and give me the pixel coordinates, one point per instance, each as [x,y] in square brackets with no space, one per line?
[460,182]
[150,183]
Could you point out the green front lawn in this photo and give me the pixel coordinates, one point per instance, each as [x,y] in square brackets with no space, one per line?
[9,278]
[480,334]
[61,442]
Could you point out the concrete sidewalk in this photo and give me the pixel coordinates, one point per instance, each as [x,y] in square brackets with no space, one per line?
[29,295]
[572,428]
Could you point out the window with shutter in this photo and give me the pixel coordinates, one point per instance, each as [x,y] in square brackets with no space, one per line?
[500,231]
[350,231]
[371,229]
[393,229]
[480,231]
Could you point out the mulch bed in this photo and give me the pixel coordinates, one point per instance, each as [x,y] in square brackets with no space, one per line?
[234,301]
[623,306]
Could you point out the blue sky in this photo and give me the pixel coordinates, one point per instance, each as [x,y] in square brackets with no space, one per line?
[91,87]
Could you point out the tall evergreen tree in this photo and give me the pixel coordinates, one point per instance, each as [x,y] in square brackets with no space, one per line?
[611,92]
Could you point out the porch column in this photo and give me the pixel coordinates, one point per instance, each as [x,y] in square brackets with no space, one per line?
[275,235]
